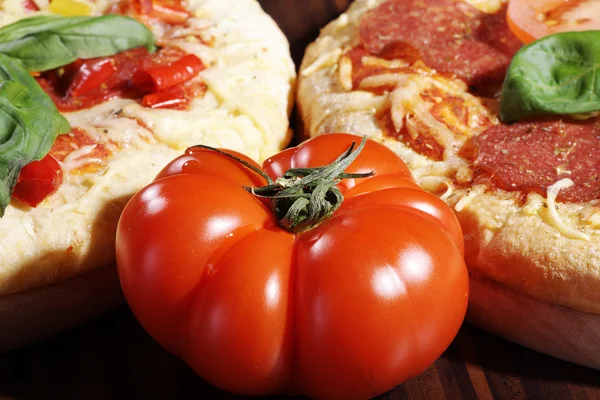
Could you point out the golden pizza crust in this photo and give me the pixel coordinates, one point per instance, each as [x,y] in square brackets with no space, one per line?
[520,245]
[249,77]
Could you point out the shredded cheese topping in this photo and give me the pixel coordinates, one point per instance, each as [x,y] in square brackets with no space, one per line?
[370,61]
[77,158]
[345,73]
[555,219]
[324,60]
[594,219]
[534,204]
[432,183]
[465,201]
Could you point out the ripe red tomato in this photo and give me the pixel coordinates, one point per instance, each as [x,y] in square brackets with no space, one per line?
[349,309]
[533,19]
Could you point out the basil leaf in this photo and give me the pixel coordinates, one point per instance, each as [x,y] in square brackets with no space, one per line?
[29,124]
[51,41]
[558,74]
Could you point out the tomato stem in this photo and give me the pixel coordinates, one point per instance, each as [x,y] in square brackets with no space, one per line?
[304,197]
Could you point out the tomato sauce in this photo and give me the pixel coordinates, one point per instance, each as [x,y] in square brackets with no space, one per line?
[75,140]
[423,143]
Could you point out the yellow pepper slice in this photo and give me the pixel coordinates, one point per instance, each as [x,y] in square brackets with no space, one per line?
[70,8]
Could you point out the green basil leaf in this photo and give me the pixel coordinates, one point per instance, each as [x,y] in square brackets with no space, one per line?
[51,41]
[29,124]
[558,74]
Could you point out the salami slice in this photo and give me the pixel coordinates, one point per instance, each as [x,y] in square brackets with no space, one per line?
[450,37]
[530,156]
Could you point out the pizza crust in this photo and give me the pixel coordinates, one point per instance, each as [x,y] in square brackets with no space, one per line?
[40,312]
[549,328]
[249,77]
[516,244]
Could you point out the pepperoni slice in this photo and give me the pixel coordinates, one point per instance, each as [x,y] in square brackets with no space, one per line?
[450,37]
[530,156]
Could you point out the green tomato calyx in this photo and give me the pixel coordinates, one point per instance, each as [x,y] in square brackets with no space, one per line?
[304,197]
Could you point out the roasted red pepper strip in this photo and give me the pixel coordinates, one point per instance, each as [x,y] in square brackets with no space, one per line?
[38,180]
[89,75]
[73,90]
[173,97]
[156,79]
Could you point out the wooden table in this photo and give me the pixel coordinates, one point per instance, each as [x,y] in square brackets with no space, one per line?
[113,358]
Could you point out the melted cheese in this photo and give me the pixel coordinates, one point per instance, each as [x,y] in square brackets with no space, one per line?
[555,219]
[345,73]
[487,6]
[594,218]
[408,106]
[325,60]
[465,201]
[534,204]
[78,158]
[433,183]
[370,61]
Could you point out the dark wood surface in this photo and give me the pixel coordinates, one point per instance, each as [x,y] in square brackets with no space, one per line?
[113,358]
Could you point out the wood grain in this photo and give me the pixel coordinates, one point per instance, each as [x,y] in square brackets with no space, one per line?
[113,358]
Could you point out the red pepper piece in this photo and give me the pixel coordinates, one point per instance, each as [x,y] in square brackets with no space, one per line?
[89,75]
[173,97]
[30,6]
[73,90]
[38,180]
[160,78]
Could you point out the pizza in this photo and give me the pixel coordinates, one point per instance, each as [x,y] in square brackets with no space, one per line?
[507,134]
[144,80]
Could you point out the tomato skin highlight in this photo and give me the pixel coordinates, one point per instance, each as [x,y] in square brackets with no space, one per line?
[351,325]
[199,161]
[347,310]
[38,180]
